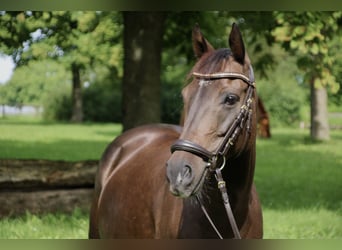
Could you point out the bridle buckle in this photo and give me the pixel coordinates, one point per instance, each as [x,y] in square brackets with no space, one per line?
[212,164]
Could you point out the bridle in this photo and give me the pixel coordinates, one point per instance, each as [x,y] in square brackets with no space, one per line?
[217,160]
[234,130]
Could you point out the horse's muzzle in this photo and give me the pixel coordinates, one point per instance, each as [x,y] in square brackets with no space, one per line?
[180,178]
[185,178]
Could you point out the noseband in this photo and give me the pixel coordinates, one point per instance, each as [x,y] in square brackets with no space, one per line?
[244,117]
[217,160]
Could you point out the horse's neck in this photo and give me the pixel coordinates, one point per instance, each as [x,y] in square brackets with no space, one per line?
[238,174]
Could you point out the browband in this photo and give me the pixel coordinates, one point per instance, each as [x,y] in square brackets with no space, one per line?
[220,75]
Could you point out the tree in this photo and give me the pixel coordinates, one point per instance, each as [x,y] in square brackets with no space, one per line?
[34,82]
[68,32]
[143,33]
[77,39]
[310,36]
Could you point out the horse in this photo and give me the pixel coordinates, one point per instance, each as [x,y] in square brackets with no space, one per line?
[263,120]
[159,180]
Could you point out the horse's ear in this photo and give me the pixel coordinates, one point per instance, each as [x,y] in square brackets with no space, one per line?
[236,44]
[199,43]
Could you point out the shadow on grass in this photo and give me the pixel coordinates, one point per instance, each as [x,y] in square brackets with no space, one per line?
[292,173]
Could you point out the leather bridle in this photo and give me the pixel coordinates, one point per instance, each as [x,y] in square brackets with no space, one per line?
[244,117]
[217,160]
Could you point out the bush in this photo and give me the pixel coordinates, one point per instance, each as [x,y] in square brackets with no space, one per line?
[174,70]
[172,103]
[102,103]
[283,93]
[57,105]
[283,104]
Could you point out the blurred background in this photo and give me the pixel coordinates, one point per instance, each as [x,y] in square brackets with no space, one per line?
[69,66]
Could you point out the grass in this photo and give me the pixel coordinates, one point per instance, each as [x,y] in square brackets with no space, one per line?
[33,139]
[299,182]
[309,223]
[49,226]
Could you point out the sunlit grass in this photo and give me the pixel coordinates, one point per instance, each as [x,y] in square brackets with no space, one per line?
[32,139]
[299,183]
[310,223]
[49,226]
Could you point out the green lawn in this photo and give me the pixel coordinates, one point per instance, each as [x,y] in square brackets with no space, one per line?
[299,182]
[49,226]
[33,139]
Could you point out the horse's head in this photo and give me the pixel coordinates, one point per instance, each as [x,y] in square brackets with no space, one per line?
[219,112]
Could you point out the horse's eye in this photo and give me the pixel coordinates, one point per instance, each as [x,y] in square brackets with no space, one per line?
[231,99]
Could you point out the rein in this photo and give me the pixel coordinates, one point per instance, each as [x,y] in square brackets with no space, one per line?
[217,160]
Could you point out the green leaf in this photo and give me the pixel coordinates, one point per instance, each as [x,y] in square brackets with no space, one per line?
[314,49]
[294,44]
[299,30]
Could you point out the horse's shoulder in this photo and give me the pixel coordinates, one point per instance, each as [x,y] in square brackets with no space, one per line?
[156,130]
[134,141]
[147,134]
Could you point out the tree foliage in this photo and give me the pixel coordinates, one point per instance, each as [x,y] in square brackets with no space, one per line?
[32,84]
[313,37]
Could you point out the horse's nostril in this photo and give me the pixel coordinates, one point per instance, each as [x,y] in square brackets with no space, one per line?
[187,175]
[187,172]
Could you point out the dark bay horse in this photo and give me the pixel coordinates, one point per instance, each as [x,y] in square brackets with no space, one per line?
[143,190]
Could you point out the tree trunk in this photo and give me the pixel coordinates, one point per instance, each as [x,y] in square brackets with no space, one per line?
[319,113]
[143,33]
[77,106]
